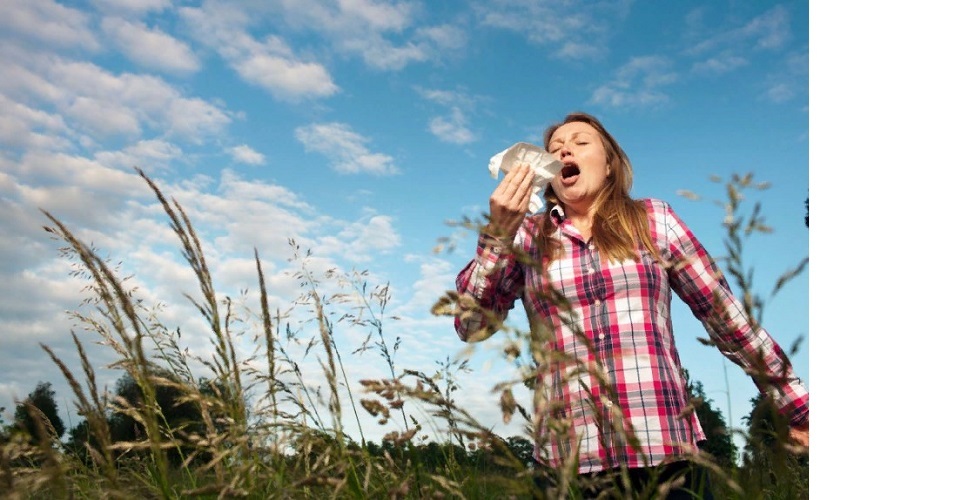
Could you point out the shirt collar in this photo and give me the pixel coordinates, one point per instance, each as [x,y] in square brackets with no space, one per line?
[557,214]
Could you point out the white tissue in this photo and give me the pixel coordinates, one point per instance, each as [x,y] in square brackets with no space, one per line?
[544,166]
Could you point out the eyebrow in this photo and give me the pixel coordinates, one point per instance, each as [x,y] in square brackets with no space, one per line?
[572,137]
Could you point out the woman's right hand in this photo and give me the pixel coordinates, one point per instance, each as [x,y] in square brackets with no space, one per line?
[509,203]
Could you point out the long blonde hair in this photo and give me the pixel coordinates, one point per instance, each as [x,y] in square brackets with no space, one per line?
[619,225]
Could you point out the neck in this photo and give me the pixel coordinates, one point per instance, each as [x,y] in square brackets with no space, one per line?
[581,217]
[579,211]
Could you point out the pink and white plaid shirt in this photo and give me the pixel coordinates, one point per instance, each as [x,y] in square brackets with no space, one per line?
[623,310]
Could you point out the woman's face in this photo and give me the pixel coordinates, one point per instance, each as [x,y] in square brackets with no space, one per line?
[579,147]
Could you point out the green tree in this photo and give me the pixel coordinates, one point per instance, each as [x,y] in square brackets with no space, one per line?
[769,467]
[33,423]
[177,417]
[719,442]
[78,437]
[806,218]
[432,455]
[373,449]
[522,448]
[3,426]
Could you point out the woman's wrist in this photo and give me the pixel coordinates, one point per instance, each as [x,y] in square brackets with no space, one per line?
[495,236]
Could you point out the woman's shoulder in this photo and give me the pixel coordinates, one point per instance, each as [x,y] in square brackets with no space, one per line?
[653,205]
[532,223]
[530,227]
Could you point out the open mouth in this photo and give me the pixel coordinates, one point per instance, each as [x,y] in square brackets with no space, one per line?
[569,171]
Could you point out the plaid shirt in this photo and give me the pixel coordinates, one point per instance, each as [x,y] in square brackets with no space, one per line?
[619,328]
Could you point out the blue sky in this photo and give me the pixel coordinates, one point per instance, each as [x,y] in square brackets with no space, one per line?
[359,128]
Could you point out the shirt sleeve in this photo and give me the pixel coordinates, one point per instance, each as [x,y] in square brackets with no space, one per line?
[488,287]
[700,284]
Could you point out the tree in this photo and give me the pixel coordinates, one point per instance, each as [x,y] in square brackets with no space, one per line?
[522,448]
[174,411]
[78,437]
[177,417]
[3,426]
[768,467]
[806,218]
[35,424]
[719,442]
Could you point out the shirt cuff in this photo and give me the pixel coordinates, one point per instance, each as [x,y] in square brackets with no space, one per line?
[492,244]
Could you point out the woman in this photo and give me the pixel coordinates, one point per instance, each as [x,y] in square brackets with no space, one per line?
[597,269]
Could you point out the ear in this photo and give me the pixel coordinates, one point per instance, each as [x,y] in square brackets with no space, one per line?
[608,170]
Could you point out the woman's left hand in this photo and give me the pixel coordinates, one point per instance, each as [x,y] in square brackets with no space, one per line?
[800,435]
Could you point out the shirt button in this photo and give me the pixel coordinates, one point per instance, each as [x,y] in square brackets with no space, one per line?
[591,270]
[602,336]
[608,403]
[597,302]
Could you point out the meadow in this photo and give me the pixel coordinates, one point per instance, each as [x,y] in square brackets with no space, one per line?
[241,423]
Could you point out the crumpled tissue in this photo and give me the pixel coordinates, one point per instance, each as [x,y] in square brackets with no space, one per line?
[543,164]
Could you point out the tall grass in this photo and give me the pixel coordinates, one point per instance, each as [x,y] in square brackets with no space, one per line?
[259,429]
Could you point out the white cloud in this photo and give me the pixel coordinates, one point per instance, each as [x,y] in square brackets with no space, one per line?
[45,169]
[76,190]
[445,37]
[377,15]
[579,50]
[95,101]
[435,277]
[23,83]
[194,119]
[452,128]
[150,48]
[376,236]
[382,54]
[799,63]
[48,22]
[780,92]
[637,83]
[244,154]
[24,127]
[104,118]
[269,64]
[444,97]
[719,64]
[346,150]
[133,7]
[695,19]
[244,214]
[149,155]
[21,245]
[575,29]
[381,34]
[284,76]
[783,86]
[770,30]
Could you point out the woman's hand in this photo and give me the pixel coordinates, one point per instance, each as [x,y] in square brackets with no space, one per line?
[800,435]
[509,203]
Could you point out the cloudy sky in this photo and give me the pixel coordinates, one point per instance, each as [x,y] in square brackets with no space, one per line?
[359,129]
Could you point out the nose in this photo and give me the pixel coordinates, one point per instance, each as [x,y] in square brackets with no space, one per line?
[563,152]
